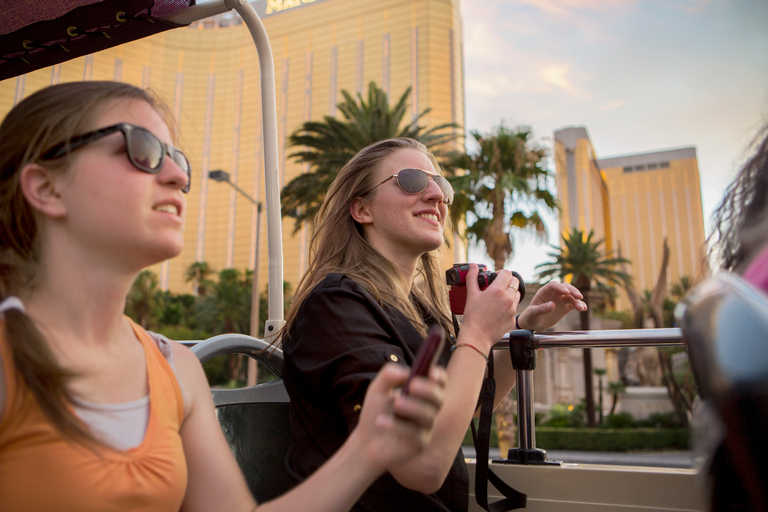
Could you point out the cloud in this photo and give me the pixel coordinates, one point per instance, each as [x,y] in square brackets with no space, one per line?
[610,106]
[693,6]
[559,75]
[563,7]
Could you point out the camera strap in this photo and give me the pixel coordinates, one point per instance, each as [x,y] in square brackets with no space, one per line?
[513,499]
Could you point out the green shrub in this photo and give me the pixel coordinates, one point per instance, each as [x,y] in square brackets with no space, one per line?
[557,422]
[494,443]
[660,420]
[216,372]
[182,333]
[626,317]
[611,440]
[603,439]
[621,420]
[561,415]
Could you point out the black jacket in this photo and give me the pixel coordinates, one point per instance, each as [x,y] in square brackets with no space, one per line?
[340,339]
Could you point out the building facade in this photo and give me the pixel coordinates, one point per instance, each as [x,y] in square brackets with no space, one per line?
[208,74]
[634,202]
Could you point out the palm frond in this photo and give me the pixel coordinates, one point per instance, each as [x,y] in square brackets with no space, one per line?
[329,144]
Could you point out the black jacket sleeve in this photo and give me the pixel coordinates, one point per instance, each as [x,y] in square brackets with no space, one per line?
[341,339]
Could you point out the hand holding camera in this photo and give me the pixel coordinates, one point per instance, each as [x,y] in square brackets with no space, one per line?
[456,277]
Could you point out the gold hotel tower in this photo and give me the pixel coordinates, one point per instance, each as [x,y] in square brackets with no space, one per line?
[208,74]
[633,202]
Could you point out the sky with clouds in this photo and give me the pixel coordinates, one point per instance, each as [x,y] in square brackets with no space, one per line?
[640,75]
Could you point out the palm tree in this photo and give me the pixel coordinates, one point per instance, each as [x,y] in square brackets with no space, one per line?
[600,372]
[677,292]
[681,288]
[585,262]
[678,382]
[504,186]
[615,389]
[227,309]
[198,273]
[142,299]
[329,144]
[499,187]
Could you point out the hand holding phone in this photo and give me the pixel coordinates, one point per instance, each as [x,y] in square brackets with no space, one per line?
[428,354]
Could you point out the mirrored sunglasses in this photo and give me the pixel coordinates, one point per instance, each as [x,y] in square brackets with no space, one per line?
[416,181]
[145,151]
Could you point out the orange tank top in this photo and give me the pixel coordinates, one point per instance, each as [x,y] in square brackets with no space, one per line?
[42,471]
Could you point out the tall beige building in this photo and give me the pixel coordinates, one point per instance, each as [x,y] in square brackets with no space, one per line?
[209,75]
[634,202]
[582,189]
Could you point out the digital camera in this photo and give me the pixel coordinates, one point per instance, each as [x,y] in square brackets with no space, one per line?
[456,277]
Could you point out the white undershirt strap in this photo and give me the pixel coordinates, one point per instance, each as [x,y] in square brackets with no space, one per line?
[12,303]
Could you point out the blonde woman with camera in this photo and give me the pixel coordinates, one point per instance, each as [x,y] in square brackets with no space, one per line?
[372,289]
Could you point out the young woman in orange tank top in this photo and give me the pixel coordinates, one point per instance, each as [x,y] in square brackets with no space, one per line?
[91,192]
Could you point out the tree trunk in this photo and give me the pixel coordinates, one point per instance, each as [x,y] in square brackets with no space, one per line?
[660,291]
[634,299]
[615,400]
[588,385]
[676,395]
[498,263]
[600,396]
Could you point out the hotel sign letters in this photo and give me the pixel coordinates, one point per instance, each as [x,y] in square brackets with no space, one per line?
[274,6]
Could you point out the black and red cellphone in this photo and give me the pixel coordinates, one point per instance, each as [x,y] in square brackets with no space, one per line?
[428,354]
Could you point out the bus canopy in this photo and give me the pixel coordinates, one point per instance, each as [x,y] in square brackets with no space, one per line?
[38,33]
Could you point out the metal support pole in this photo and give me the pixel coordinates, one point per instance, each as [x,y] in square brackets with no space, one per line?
[253,368]
[526,436]
[523,354]
[269,133]
[271,168]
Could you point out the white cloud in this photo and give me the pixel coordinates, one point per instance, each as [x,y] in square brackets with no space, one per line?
[693,6]
[565,7]
[561,77]
[613,105]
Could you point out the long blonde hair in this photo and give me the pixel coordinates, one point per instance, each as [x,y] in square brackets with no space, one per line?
[48,117]
[338,245]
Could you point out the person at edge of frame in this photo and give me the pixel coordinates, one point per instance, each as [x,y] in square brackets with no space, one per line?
[736,448]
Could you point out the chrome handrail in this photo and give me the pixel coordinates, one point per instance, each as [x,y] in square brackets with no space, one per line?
[526,428]
[603,339]
[526,431]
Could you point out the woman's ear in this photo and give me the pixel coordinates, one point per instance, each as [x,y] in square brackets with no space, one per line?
[39,187]
[359,211]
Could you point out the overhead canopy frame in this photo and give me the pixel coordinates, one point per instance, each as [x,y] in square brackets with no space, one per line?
[38,34]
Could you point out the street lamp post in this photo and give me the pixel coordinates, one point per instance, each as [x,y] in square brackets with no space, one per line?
[223,176]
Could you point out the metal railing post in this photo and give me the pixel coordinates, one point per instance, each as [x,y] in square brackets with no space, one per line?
[522,346]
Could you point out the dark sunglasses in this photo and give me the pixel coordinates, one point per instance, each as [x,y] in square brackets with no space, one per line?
[145,151]
[416,181]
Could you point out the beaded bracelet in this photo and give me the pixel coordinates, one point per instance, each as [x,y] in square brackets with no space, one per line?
[470,346]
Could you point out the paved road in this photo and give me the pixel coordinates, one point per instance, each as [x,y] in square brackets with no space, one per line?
[666,459]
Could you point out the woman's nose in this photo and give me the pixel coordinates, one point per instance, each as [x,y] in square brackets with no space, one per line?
[172,174]
[433,192]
